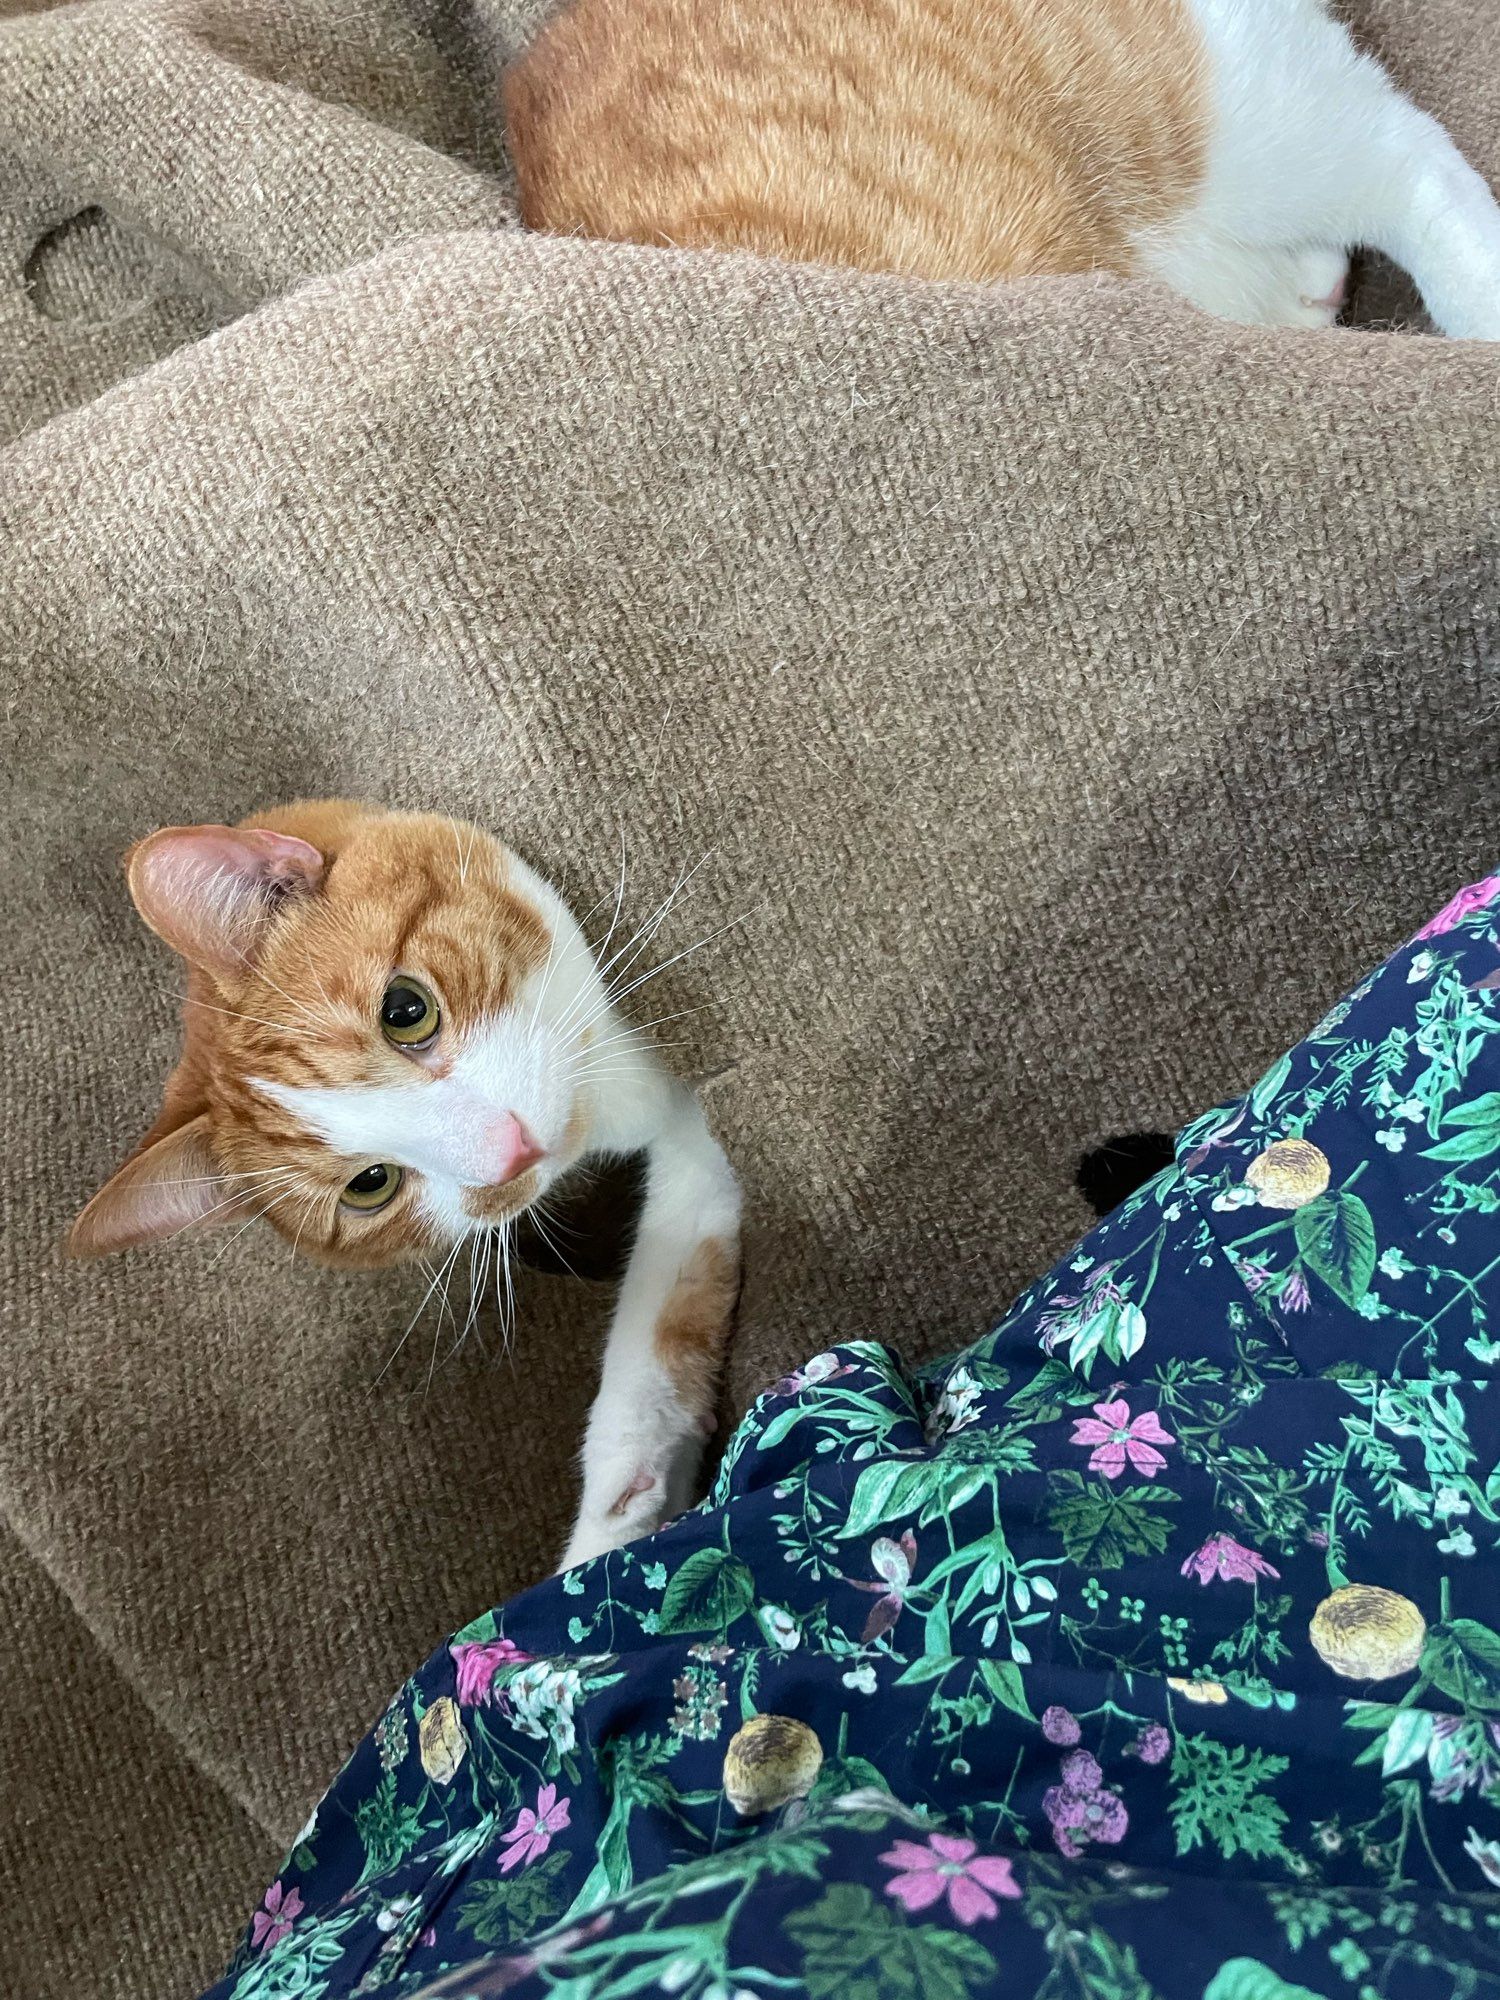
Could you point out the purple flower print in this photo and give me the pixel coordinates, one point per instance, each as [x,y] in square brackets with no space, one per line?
[478,1665]
[1120,1440]
[947,1865]
[1058,1726]
[892,1563]
[1081,1809]
[1295,1297]
[1461,1755]
[1230,1561]
[1153,1745]
[274,1921]
[1477,896]
[532,1833]
[813,1374]
[1081,1772]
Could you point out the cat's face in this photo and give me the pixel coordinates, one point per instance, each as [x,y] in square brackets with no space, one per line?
[386,1038]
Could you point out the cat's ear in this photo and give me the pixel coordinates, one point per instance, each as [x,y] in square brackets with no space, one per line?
[211,891]
[171,1185]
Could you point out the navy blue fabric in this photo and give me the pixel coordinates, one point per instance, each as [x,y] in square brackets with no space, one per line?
[1146,1651]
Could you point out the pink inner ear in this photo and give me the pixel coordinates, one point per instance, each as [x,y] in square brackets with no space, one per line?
[209,890]
[173,1185]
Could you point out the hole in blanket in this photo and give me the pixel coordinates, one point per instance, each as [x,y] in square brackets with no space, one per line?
[1107,1173]
[90,270]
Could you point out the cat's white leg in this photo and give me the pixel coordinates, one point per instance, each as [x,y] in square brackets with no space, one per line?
[1440,222]
[655,1404]
[1255,285]
[1311,143]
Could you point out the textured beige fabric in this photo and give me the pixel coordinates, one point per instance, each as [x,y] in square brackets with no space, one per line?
[1067,693]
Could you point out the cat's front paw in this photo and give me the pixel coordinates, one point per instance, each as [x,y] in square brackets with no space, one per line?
[634,1503]
[596,1532]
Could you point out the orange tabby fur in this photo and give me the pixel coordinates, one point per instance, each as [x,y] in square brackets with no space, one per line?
[976,139]
[398,889]
[302,929]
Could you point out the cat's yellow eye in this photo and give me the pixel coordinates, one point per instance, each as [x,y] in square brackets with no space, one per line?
[372,1189]
[409,1014]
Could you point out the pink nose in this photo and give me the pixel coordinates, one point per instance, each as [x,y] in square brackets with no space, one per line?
[510,1148]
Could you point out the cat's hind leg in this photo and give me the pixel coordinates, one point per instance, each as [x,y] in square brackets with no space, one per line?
[1311,143]
[1254,284]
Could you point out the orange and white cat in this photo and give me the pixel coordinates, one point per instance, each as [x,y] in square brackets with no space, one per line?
[396,1037]
[1234,149]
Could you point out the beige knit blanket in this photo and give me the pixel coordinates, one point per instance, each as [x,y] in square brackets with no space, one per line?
[1062,694]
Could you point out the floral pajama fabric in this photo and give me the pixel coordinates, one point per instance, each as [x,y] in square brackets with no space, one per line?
[1147,1651]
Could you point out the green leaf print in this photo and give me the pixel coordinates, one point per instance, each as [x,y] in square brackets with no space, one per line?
[895,1488]
[780,1426]
[1406,1741]
[1218,1797]
[1270,1085]
[1103,1526]
[1462,1658]
[707,1594]
[479,1631]
[845,1774]
[930,1667]
[389,1833]
[1337,1239]
[1248,1979]
[515,1906]
[856,1948]
[1130,1331]
[302,1965]
[1003,1679]
[1479,1133]
[1097,1331]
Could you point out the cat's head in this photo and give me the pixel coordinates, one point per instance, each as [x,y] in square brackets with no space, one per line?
[385,1035]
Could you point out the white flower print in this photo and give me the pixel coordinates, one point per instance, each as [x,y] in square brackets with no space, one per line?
[542,1698]
[956,1408]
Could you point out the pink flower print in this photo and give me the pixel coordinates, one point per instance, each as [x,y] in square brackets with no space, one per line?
[1081,1809]
[1223,1557]
[1118,1439]
[892,1563]
[1105,1818]
[1081,1772]
[1153,1745]
[274,1921]
[478,1665]
[532,1833]
[1477,896]
[1059,1726]
[949,1866]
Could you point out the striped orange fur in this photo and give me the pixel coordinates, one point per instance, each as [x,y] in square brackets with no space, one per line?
[937,138]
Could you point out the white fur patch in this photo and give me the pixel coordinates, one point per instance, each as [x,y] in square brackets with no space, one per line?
[1313,150]
[532,1059]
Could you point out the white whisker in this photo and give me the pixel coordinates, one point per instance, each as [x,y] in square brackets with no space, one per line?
[412,1323]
